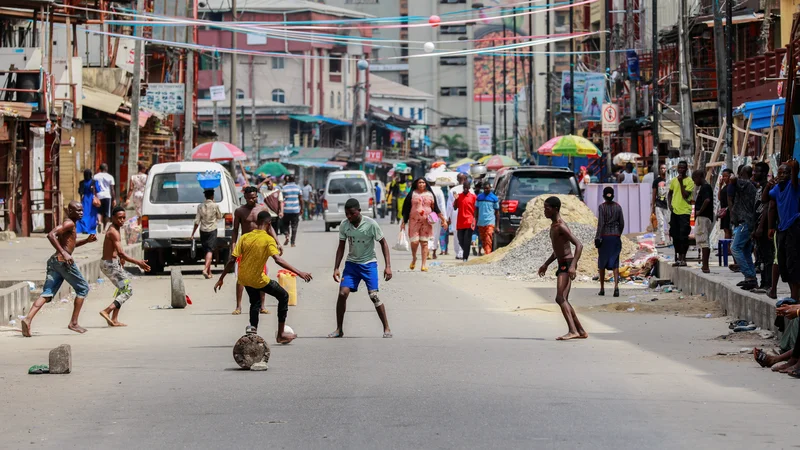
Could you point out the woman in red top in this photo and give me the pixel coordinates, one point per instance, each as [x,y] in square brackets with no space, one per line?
[419,209]
[465,225]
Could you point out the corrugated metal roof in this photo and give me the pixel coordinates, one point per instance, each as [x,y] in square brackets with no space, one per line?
[381,87]
[762,112]
[101,100]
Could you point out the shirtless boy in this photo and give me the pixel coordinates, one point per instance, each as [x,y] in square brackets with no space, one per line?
[562,237]
[61,267]
[246,216]
[113,258]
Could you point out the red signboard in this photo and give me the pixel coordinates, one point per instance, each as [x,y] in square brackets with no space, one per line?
[374,156]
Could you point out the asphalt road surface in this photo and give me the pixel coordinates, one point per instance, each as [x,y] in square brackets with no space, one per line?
[473,364]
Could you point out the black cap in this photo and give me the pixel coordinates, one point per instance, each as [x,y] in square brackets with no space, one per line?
[608,193]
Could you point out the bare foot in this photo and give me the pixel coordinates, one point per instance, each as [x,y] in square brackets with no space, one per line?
[783,368]
[773,294]
[119,324]
[286,338]
[583,335]
[568,336]
[105,315]
[26,327]
[77,328]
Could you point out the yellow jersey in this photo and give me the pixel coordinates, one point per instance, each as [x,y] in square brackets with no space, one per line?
[253,250]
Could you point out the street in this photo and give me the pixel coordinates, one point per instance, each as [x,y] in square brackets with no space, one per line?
[473,364]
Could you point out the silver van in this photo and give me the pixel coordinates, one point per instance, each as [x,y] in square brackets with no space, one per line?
[342,186]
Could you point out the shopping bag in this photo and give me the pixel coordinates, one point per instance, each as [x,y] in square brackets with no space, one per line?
[402,244]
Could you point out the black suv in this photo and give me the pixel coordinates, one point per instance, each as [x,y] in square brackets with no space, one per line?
[516,186]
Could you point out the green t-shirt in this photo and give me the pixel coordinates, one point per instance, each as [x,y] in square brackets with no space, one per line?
[361,239]
[681,205]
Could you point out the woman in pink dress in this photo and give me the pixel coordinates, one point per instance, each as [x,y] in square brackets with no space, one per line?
[420,211]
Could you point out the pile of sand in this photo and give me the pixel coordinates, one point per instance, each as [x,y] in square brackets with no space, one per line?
[532,242]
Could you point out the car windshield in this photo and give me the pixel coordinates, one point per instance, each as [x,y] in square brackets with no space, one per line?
[347,186]
[525,186]
[180,187]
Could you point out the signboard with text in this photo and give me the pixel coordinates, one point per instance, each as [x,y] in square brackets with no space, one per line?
[374,156]
[484,138]
[610,117]
[167,98]
[217,93]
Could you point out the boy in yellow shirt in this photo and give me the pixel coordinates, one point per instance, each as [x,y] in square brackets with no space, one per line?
[680,197]
[255,248]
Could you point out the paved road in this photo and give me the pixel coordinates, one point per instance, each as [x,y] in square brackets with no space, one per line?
[464,370]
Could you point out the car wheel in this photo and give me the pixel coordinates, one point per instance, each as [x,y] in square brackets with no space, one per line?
[327,227]
[153,258]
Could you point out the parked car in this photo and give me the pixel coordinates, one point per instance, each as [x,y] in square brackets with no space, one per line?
[516,186]
[171,197]
[342,186]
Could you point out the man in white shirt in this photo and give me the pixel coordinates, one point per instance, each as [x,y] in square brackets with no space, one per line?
[307,190]
[106,195]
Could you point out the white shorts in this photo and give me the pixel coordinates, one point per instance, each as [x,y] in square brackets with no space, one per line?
[702,231]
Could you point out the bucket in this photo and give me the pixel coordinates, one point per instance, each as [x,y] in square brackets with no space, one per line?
[288,281]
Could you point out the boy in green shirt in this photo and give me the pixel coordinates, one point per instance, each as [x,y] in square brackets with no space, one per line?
[680,194]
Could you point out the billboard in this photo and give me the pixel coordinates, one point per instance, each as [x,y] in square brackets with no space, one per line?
[588,90]
[491,74]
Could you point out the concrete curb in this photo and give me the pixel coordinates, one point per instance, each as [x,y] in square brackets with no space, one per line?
[737,303]
[15,300]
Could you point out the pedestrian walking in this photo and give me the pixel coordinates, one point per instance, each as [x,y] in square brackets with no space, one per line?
[114,257]
[608,238]
[360,233]
[786,194]
[420,211]
[562,239]
[765,247]
[434,244]
[703,216]
[61,267]
[659,204]
[680,194]
[724,215]
[308,190]
[252,252]
[444,233]
[319,202]
[207,218]
[136,191]
[488,215]
[394,193]
[246,217]
[292,209]
[87,224]
[465,205]
[628,176]
[742,201]
[273,201]
[583,179]
[106,195]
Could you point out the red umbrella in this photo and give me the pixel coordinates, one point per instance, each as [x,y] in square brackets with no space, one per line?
[217,151]
[497,162]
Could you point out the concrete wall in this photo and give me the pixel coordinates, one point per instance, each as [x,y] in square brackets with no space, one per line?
[16,299]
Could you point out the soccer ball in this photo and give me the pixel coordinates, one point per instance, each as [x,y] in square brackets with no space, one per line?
[288,329]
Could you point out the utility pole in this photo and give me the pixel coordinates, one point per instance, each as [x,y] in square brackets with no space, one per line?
[214,81]
[515,131]
[729,81]
[531,91]
[136,91]
[234,134]
[548,99]
[687,113]
[494,100]
[505,91]
[253,130]
[572,68]
[719,51]
[631,43]
[188,125]
[606,3]
[656,90]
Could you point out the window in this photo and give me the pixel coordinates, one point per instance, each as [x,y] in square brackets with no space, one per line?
[179,187]
[335,64]
[400,111]
[278,96]
[453,61]
[331,99]
[278,62]
[412,113]
[204,94]
[404,50]
[342,186]
[454,122]
[452,2]
[454,29]
[206,61]
[339,100]
[239,93]
[561,19]
[419,114]
[404,79]
[459,91]
[526,185]
[391,109]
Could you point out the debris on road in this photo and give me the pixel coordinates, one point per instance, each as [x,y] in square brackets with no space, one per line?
[61,359]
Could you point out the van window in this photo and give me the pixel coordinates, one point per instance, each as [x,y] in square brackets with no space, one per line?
[181,187]
[525,186]
[347,186]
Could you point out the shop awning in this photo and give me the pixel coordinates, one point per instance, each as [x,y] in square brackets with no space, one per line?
[740,18]
[101,100]
[762,112]
[307,118]
[388,126]
[314,163]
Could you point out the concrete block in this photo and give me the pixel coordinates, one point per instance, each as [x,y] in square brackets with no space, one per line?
[61,359]
[7,236]
[178,289]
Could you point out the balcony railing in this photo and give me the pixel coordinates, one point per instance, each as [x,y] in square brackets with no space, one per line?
[757,78]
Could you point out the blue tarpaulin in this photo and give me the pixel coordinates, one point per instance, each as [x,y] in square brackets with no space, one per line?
[314,119]
[762,111]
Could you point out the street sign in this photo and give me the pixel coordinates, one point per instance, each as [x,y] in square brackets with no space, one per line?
[67,114]
[606,142]
[610,117]
[442,152]
[484,138]
[217,93]
[374,156]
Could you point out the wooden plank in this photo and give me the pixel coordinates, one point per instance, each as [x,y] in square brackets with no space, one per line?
[23,110]
[746,136]
[768,145]
[716,164]
[717,148]
[708,136]
[743,130]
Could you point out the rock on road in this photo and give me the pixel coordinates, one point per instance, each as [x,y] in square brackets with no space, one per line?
[473,364]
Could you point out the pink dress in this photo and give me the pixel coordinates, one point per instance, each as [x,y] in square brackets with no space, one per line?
[419,229]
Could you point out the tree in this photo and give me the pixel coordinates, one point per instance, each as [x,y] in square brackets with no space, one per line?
[454,142]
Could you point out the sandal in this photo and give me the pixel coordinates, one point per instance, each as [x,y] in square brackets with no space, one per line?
[602,292]
[236,312]
[616,292]
[760,357]
[413,264]
[387,335]
[424,268]
[263,311]
[336,334]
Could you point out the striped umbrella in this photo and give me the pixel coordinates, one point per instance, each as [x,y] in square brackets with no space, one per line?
[218,151]
[569,145]
[495,162]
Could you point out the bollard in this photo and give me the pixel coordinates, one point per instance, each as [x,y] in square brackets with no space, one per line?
[178,289]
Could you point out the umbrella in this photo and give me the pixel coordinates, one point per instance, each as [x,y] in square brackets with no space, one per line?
[464,168]
[495,162]
[569,145]
[273,169]
[461,162]
[625,157]
[218,151]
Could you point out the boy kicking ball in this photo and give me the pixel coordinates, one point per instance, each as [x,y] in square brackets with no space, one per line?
[362,263]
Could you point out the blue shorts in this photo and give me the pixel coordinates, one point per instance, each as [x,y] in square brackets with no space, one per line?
[58,272]
[354,273]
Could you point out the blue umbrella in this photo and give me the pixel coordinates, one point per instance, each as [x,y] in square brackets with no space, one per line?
[464,168]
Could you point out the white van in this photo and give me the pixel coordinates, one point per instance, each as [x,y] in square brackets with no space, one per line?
[170,202]
[342,186]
